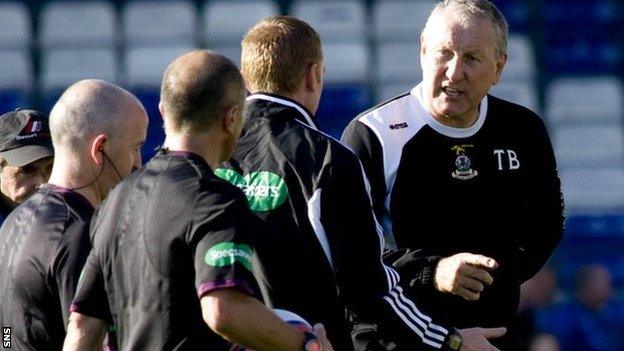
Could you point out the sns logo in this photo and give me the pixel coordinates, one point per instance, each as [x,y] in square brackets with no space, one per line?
[228,253]
[6,337]
[265,191]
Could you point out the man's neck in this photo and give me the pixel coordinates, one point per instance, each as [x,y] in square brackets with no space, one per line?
[72,175]
[206,145]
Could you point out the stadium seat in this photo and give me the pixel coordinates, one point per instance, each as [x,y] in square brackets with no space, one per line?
[592,100]
[400,20]
[389,90]
[521,63]
[517,13]
[521,92]
[15,25]
[160,23]
[16,70]
[589,145]
[145,65]
[583,50]
[346,62]
[339,104]
[398,61]
[593,190]
[336,21]
[78,24]
[227,21]
[231,51]
[567,14]
[15,79]
[63,67]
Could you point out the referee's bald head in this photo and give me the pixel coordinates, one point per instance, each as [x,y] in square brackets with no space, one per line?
[197,88]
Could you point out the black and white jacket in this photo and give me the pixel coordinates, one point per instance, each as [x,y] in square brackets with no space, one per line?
[311,197]
[489,189]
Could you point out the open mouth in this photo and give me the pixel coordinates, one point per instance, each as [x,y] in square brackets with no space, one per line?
[452,92]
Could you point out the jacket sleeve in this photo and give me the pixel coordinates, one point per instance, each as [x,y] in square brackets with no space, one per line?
[415,266]
[370,288]
[544,209]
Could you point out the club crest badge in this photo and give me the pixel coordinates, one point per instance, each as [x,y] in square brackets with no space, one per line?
[463,170]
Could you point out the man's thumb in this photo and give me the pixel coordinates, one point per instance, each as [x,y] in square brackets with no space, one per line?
[490,333]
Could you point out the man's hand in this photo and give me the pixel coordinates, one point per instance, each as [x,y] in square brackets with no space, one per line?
[476,339]
[319,330]
[464,274]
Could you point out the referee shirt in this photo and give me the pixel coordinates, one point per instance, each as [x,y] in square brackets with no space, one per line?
[165,237]
[43,246]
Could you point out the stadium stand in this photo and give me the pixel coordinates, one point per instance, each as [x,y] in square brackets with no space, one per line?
[16,70]
[565,59]
[224,31]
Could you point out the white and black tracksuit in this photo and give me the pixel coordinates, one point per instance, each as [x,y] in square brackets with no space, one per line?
[489,189]
[310,193]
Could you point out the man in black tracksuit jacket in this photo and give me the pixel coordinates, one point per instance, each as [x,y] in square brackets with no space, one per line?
[310,194]
[461,178]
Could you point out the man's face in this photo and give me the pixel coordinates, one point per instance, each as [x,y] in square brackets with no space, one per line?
[18,183]
[124,149]
[460,64]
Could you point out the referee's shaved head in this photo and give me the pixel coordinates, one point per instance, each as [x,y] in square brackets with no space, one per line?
[90,107]
[197,88]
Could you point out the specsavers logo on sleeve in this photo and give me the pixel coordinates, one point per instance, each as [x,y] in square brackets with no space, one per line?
[265,190]
[228,253]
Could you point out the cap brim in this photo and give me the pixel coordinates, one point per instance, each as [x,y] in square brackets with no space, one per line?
[24,155]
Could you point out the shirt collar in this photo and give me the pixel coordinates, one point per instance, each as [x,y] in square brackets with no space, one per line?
[443,129]
[70,196]
[304,112]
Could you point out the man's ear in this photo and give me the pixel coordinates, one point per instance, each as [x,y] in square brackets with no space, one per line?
[96,148]
[314,77]
[161,109]
[500,64]
[230,118]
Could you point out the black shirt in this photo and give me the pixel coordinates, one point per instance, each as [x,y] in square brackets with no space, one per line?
[321,247]
[43,246]
[165,237]
[489,189]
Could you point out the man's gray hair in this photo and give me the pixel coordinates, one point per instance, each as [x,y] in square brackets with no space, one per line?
[482,9]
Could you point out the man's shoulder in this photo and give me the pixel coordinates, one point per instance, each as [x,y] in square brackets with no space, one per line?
[512,112]
[384,111]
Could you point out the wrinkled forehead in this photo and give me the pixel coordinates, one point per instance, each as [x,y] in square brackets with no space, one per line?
[459,32]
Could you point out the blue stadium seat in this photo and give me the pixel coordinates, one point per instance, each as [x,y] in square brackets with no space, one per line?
[339,104]
[12,99]
[583,51]
[566,14]
[155,131]
[517,13]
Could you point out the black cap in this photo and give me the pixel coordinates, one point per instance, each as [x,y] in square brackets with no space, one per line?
[24,137]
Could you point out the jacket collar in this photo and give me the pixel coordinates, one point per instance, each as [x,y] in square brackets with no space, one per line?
[304,114]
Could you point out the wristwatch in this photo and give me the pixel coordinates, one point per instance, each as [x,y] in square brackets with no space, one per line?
[454,340]
[311,342]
